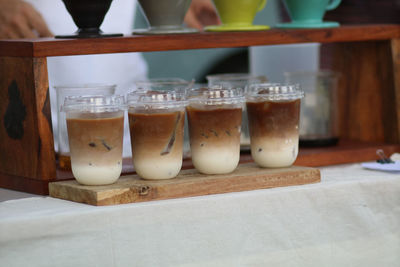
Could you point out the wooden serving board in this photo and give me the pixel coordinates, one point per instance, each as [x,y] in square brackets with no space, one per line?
[188,183]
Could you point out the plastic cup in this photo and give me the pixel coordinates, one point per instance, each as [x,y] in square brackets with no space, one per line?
[95,132]
[171,84]
[215,117]
[273,113]
[156,120]
[62,92]
[242,81]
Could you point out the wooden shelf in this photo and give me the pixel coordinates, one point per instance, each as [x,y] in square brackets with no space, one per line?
[366,56]
[48,47]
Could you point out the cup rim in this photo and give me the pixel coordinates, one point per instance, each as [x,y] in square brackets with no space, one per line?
[85,85]
[152,99]
[226,77]
[216,95]
[166,81]
[274,92]
[94,103]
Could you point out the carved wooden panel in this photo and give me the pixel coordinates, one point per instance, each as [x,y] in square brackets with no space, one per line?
[26,140]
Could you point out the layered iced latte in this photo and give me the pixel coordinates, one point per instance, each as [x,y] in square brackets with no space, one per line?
[215,117]
[95,133]
[156,121]
[273,114]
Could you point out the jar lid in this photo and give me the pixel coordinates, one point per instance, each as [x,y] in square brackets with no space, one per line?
[94,104]
[274,92]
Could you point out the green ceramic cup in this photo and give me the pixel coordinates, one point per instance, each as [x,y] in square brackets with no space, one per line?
[238,12]
[309,11]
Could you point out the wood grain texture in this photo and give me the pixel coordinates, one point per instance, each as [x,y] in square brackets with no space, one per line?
[189,183]
[395,43]
[61,47]
[366,95]
[365,12]
[26,140]
[24,184]
[345,153]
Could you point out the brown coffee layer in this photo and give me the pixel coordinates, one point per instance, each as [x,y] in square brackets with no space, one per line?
[214,127]
[273,119]
[96,141]
[156,134]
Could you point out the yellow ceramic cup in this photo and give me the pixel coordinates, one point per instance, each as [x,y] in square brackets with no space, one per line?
[238,12]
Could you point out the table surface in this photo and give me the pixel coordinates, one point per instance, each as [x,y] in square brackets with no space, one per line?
[351,218]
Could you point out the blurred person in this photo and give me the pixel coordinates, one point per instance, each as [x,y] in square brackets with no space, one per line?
[44,18]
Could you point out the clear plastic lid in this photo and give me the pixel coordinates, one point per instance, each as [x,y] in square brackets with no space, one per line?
[94,104]
[165,84]
[274,92]
[215,95]
[82,87]
[232,80]
[150,99]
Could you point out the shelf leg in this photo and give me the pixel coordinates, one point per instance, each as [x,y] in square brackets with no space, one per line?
[27,155]
[396,71]
[368,109]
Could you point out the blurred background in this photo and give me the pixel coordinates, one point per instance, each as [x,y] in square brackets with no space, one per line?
[196,64]
[271,61]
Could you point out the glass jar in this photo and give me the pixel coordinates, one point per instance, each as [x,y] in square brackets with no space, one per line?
[319,120]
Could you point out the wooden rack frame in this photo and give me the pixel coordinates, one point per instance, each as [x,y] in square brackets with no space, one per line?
[368,57]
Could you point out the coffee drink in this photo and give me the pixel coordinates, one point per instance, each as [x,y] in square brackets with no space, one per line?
[95,127]
[273,114]
[215,117]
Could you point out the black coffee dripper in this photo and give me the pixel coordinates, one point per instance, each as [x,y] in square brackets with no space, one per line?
[88,15]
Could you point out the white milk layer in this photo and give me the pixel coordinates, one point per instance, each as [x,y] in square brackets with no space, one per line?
[96,175]
[275,152]
[157,168]
[217,160]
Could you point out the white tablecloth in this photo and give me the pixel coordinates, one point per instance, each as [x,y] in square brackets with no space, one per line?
[351,218]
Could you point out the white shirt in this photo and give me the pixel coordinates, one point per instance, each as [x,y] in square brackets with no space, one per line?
[122,69]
